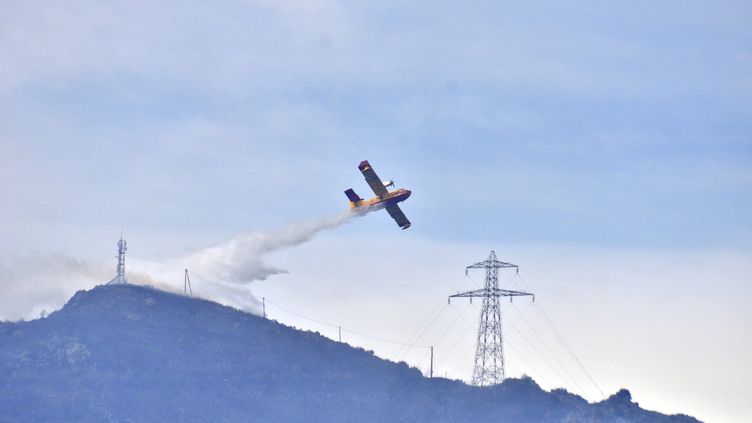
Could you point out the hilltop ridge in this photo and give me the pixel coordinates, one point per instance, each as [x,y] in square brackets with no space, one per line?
[125,353]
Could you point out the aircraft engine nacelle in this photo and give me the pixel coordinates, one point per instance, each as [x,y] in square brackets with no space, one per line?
[389,183]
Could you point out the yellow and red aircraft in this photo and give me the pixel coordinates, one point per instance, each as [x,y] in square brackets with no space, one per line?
[384,198]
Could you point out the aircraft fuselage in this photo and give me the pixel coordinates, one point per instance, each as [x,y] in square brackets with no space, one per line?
[377,203]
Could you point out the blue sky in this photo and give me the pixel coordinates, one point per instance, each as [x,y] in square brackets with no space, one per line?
[553,131]
[594,125]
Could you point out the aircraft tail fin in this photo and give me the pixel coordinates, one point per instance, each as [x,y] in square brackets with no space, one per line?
[353,196]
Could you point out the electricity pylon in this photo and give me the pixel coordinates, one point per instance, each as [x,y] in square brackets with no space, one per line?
[489,350]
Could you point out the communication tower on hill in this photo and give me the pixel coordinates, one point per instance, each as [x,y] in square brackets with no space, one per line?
[489,350]
[120,277]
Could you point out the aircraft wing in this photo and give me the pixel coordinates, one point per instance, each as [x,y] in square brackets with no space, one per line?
[398,216]
[373,180]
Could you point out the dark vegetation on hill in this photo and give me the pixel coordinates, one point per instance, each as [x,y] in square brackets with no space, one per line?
[127,353]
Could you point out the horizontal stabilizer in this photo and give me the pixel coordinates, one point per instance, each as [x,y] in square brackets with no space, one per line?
[352,196]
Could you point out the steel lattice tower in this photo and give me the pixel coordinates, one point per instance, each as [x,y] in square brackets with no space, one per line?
[120,276]
[489,350]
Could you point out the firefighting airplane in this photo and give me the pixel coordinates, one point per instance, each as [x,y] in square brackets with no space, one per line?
[383,199]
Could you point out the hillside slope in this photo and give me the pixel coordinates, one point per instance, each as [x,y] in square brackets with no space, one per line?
[126,353]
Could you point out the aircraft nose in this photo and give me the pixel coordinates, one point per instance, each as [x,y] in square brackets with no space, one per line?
[408,192]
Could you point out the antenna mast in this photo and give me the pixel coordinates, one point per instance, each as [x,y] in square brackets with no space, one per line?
[489,350]
[120,276]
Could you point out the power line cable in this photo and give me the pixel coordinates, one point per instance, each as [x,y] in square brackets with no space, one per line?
[560,338]
[563,368]
[339,327]
[462,336]
[345,329]
[423,327]
[570,350]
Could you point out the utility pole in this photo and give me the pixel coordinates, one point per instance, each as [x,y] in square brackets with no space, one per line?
[489,349]
[430,372]
[187,284]
[340,333]
[263,306]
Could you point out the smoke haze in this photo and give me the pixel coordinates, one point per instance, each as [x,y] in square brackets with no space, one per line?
[35,285]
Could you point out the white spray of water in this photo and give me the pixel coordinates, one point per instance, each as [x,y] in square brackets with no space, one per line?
[38,285]
[227,270]
[241,259]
